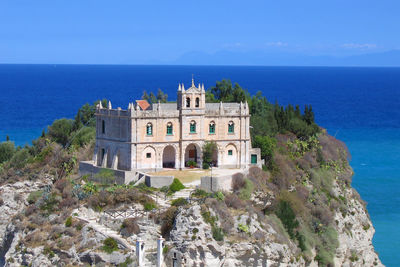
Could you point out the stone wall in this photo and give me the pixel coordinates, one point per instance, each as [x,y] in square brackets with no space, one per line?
[216,183]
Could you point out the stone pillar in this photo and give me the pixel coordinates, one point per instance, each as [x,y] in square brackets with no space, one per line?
[104,162]
[140,252]
[114,163]
[160,246]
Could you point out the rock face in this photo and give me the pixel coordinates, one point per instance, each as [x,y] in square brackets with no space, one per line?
[254,239]
[355,234]
[14,198]
[194,244]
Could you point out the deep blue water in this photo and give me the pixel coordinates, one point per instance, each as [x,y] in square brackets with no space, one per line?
[358,105]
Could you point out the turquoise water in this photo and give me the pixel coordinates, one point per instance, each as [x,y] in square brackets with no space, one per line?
[358,105]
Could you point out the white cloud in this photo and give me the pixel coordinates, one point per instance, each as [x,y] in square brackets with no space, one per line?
[277,44]
[359,46]
[232,45]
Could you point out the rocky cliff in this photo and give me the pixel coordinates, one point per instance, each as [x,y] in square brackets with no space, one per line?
[301,211]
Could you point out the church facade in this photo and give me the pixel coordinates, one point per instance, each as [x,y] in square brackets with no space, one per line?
[150,137]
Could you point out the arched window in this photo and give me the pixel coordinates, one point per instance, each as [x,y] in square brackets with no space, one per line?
[231,127]
[197,102]
[192,127]
[169,128]
[149,129]
[211,128]
[188,102]
[103,127]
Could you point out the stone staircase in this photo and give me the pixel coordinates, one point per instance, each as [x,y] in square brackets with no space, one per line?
[184,193]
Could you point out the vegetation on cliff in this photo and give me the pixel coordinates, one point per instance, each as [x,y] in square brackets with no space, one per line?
[295,193]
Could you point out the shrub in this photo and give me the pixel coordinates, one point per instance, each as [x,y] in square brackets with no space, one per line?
[168,219]
[353,256]
[219,195]
[245,192]
[110,245]
[217,233]
[179,202]
[286,214]
[30,210]
[7,150]
[61,184]
[233,201]
[84,136]
[237,182]
[68,222]
[191,163]
[60,131]
[208,218]
[148,206]
[176,186]
[34,196]
[200,193]
[20,158]
[129,227]
[206,166]
[243,228]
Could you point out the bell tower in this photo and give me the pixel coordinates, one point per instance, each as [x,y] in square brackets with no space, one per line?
[192,98]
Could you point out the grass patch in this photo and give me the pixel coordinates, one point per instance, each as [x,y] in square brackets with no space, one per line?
[110,245]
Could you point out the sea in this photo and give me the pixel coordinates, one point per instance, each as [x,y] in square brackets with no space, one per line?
[360,106]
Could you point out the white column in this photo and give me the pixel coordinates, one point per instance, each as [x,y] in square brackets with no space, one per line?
[160,245]
[140,252]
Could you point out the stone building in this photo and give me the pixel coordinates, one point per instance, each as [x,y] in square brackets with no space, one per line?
[150,137]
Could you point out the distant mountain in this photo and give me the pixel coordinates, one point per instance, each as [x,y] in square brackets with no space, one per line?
[384,59]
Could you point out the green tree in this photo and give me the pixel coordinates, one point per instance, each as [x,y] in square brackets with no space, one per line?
[267,145]
[153,98]
[161,96]
[60,130]
[7,150]
[208,149]
[222,90]
[308,115]
[77,122]
[146,96]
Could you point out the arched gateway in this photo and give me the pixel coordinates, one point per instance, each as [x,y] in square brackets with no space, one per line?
[168,158]
[192,153]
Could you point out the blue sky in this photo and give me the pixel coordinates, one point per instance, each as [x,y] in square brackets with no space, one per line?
[145,32]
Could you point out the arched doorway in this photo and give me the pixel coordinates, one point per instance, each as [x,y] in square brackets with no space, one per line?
[169,157]
[192,153]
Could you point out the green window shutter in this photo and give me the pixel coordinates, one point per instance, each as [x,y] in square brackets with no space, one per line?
[253,159]
[169,129]
[231,127]
[149,129]
[193,127]
[212,128]
[230,152]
